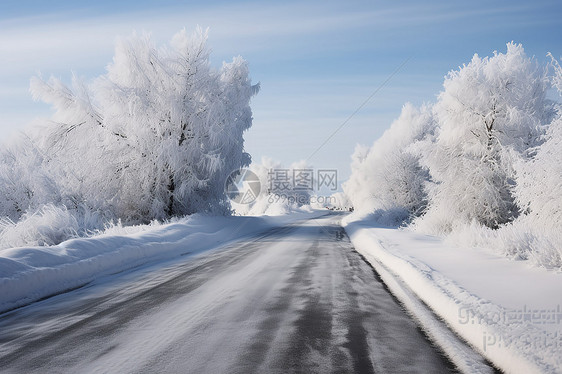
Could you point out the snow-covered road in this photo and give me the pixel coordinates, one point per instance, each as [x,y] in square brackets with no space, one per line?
[293,299]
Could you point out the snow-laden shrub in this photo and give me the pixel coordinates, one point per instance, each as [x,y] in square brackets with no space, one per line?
[114,228]
[48,225]
[391,218]
[388,176]
[490,114]
[522,239]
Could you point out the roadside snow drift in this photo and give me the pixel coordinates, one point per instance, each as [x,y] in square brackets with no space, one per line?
[509,312]
[32,273]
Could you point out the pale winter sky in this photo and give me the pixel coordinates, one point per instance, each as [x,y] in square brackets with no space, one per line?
[317,61]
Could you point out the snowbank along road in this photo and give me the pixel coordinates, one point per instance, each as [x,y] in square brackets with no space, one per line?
[295,299]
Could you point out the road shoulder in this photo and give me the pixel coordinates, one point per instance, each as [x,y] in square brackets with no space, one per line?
[519,336]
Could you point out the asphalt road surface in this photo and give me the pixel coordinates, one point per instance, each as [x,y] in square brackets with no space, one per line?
[296,299]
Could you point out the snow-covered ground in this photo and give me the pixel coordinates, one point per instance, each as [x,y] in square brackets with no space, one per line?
[32,273]
[295,298]
[507,310]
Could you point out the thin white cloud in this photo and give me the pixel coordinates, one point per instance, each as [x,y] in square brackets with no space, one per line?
[72,36]
[58,43]
[226,23]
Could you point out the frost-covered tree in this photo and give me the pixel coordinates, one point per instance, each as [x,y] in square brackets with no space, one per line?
[491,111]
[388,175]
[539,179]
[157,135]
[24,184]
[556,78]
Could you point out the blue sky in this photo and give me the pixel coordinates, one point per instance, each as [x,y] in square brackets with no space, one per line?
[317,61]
